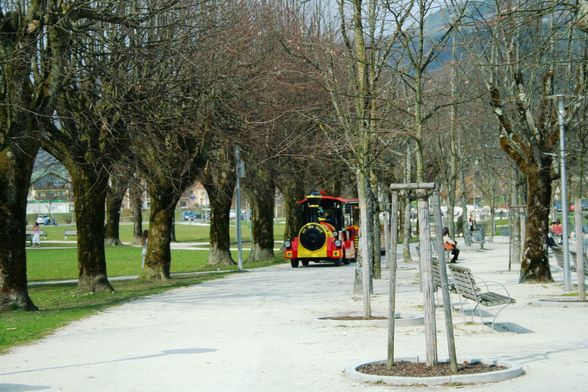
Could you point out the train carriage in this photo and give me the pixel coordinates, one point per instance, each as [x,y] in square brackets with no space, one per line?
[329,232]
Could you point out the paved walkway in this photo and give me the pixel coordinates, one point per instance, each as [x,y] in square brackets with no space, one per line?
[262,331]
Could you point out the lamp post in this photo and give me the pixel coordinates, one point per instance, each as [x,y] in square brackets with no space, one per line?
[564,190]
[240,174]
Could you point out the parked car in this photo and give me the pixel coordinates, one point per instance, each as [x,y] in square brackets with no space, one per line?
[45,220]
[191,215]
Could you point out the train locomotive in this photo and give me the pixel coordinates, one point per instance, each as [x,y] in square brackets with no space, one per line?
[329,231]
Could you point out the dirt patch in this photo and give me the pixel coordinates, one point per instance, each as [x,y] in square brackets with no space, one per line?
[419,369]
[348,318]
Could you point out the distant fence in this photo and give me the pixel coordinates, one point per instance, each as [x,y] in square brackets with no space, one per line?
[37,207]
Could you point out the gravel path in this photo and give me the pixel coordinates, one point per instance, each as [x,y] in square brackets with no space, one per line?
[262,331]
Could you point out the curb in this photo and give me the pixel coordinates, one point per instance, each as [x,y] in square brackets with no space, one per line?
[563,302]
[513,370]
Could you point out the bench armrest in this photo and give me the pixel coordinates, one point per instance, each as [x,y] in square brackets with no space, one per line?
[488,283]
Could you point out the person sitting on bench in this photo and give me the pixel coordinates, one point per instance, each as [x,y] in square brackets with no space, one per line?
[450,244]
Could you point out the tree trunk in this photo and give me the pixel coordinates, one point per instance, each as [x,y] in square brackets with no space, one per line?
[534,264]
[136,195]
[158,257]
[16,165]
[515,221]
[114,199]
[293,192]
[376,234]
[261,194]
[220,187]
[89,198]
[582,15]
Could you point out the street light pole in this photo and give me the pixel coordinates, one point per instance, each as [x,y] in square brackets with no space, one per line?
[564,193]
[239,172]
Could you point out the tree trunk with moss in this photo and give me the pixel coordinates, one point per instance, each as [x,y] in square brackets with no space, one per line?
[89,189]
[114,199]
[260,191]
[26,91]
[136,196]
[158,257]
[16,165]
[219,181]
[535,264]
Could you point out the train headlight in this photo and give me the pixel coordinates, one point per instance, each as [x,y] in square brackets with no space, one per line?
[287,244]
[338,243]
[335,234]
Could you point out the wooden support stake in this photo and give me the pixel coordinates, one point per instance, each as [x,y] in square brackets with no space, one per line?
[427,279]
[444,282]
[392,264]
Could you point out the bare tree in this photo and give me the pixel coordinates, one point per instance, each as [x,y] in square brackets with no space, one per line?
[512,38]
[35,46]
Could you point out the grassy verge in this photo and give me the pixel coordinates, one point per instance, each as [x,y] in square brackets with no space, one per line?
[59,264]
[62,303]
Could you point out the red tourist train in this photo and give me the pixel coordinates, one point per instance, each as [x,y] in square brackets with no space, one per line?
[329,233]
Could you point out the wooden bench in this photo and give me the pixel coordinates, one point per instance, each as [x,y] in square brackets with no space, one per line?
[467,288]
[559,258]
[479,236]
[437,278]
[69,233]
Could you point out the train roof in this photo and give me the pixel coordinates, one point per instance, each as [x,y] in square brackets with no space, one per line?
[330,198]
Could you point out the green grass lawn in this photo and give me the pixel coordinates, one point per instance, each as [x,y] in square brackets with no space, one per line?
[57,264]
[184,232]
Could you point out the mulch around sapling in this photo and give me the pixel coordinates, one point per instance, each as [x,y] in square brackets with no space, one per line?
[420,369]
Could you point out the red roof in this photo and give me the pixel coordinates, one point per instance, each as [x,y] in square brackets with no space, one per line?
[332,198]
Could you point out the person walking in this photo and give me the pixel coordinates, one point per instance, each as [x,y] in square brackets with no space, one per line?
[36,236]
[450,244]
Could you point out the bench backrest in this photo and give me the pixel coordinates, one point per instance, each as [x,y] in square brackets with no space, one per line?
[41,233]
[464,282]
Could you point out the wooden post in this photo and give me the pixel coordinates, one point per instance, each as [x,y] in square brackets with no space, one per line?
[392,264]
[422,189]
[427,278]
[444,283]
[579,251]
